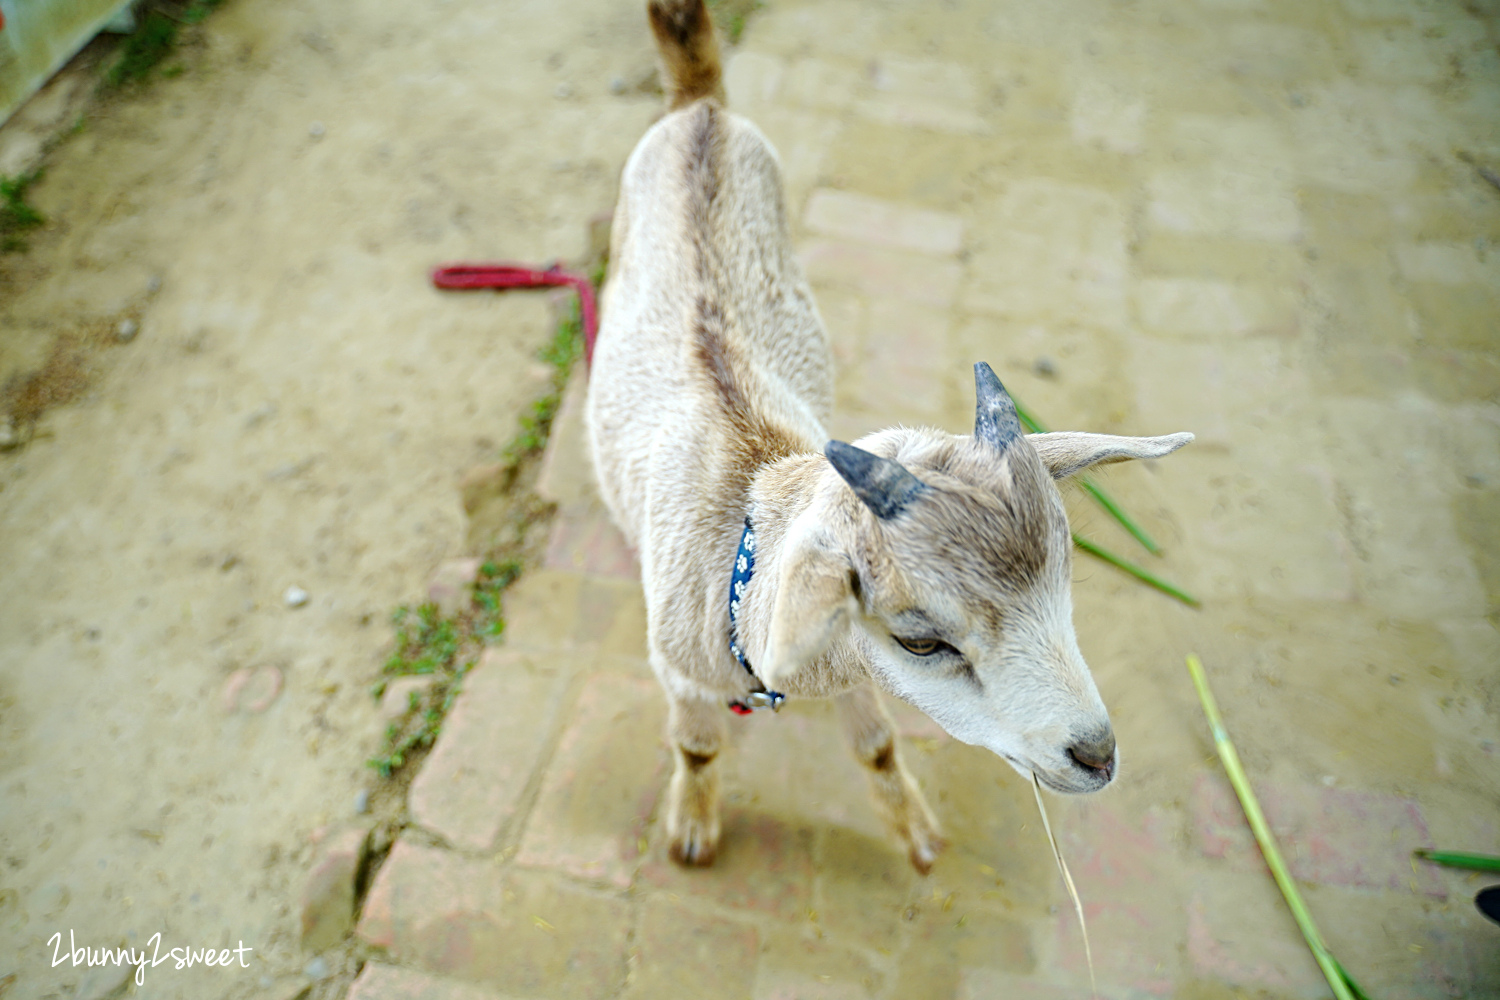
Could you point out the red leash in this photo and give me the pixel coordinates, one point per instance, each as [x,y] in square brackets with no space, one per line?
[502,276]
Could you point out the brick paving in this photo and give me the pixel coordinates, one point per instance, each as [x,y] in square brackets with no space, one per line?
[1239,219]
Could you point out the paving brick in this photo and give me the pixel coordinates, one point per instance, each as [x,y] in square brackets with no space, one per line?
[764,866]
[906,366]
[523,932]
[1135,948]
[326,906]
[1316,562]
[1199,308]
[862,219]
[825,84]
[567,473]
[802,139]
[378,981]
[951,939]
[1108,115]
[995,844]
[1050,252]
[797,763]
[752,79]
[1240,932]
[798,964]
[983,984]
[450,585]
[602,784]
[1220,200]
[541,610]
[680,952]
[1413,564]
[1331,836]
[880,272]
[862,886]
[928,94]
[471,785]
[612,613]
[584,540]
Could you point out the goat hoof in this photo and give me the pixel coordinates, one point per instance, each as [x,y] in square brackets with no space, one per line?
[693,852]
[925,852]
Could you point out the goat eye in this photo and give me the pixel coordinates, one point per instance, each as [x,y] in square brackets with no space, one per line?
[922,647]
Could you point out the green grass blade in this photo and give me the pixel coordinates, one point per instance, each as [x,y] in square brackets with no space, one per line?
[1455,859]
[1032,424]
[1108,503]
[1338,979]
[1135,571]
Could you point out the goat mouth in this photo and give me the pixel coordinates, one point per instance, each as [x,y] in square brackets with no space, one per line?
[1094,785]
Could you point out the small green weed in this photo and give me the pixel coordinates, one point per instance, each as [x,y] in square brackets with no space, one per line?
[15,215]
[445,648]
[154,39]
[731,15]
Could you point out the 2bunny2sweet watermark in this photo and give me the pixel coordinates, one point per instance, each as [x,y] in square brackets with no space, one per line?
[183,958]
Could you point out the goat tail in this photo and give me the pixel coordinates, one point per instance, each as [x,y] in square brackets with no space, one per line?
[689,51]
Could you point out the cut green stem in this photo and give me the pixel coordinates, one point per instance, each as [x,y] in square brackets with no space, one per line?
[1455,859]
[1135,571]
[1104,500]
[1343,986]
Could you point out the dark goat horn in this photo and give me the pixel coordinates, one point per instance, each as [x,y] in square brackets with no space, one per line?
[995,420]
[884,485]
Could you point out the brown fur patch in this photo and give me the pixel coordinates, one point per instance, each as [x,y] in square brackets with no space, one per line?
[696,761]
[689,51]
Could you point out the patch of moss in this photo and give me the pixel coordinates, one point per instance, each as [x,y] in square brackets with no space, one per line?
[154,38]
[16,216]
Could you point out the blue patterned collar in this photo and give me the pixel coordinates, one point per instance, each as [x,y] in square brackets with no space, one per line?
[744,569]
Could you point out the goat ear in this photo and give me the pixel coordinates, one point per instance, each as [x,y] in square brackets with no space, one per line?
[815,603]
[1067,452]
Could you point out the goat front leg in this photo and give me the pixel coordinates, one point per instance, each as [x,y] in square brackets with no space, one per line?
[697,730]
[872,734]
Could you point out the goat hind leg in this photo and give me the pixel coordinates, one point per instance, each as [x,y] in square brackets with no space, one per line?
[872,735]
[697,730]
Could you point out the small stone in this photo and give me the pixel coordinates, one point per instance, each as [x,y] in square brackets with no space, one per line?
[295,597]
[316,130]
[327,901]
[1045,367]
[8,436]
[396,701]
[126,331]
[451,584]
[564,91]
[617,86]
[318,968]
[361,801]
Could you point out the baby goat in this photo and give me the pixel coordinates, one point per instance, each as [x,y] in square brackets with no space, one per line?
[932,566]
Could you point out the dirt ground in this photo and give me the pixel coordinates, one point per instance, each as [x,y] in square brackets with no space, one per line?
[298,405]
[296,410]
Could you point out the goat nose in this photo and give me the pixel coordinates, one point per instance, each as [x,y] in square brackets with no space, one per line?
[1097,754]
